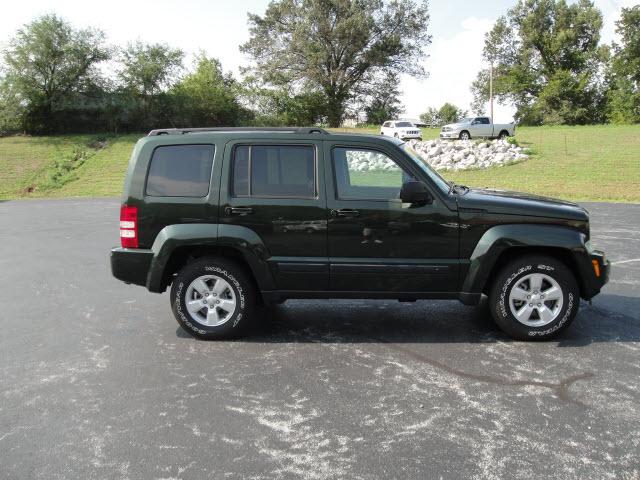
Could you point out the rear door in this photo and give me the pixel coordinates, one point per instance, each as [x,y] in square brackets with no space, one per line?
[273,188]
[376,242]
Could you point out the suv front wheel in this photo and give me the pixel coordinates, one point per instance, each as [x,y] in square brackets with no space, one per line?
[213,298]
[534,297]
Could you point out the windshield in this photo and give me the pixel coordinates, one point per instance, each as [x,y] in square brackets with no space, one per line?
[404,124]
[433,175]
[465,120]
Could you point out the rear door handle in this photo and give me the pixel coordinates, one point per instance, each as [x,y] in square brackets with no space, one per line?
[345,212]
[238,210]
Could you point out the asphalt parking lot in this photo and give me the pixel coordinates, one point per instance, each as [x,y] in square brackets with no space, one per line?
[98,381]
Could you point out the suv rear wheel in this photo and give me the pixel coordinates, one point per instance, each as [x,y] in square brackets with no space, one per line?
[534,297]
[213,298]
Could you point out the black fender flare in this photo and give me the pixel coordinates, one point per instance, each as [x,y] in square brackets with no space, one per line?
[242,239]
[496,240]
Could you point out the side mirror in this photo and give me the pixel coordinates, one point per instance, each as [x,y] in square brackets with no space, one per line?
[475,122]
[415,193]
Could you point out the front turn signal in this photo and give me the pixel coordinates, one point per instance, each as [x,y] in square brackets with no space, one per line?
[596,267]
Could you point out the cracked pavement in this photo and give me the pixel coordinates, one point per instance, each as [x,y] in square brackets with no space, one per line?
[98,381]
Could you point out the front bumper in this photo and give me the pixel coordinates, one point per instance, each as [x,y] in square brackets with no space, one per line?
[449,135]
[598,274]
[131,265]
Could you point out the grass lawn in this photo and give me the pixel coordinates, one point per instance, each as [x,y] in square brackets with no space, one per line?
[598,163]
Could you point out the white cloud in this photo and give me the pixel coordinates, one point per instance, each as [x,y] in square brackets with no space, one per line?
[455,60]
[453,63]
[611,10]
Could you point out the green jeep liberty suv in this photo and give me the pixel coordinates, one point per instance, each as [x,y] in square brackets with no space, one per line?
[233,218]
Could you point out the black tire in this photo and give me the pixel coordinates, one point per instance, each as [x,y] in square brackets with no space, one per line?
[503,134]
[464,134]
[419,139]
[244,293]
[515,274]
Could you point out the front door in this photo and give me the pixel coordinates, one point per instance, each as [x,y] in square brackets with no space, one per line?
[482,127]
[273,189]
[376,242]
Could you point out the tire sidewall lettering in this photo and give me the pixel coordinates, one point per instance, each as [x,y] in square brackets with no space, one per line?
[239,313]
[503,309]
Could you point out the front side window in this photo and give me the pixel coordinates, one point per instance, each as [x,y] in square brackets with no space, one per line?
[363,174]
[274,171]
[484,121]
[180,171]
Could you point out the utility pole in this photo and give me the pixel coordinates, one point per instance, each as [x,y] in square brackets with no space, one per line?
[491,91]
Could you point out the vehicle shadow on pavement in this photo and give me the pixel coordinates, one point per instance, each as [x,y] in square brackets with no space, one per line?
[353,321]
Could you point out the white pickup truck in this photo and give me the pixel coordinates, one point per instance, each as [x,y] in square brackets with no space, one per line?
[474,127]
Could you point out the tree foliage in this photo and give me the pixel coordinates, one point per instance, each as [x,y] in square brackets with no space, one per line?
[430,117]
[46,63]
[624,95]
[546,62]
[382,100]
[337,47]
[449,113]
[280,106]
[147,72]
[206,96]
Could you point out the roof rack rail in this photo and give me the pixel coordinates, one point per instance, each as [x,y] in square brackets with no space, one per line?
[183,131]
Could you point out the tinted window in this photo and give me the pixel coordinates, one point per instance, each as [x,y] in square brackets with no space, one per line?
[180,171]
[274,171]
[484,120]
[367,175]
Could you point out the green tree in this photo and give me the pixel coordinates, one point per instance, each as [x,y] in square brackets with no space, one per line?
[383,100]
[11,111]
[279,106]
[449,113]
[147,72]
[624,96]
[47,62]
[337,46]
[206,97]
[431,117]
[546,61]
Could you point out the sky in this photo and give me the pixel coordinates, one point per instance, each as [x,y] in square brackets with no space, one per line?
[219,27]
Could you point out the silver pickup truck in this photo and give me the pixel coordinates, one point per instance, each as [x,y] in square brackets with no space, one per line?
[474,127]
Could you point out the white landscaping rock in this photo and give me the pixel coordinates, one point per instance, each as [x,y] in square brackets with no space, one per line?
[447,155]
[467,154]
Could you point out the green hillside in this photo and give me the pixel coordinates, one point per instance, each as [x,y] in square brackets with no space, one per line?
[599,163]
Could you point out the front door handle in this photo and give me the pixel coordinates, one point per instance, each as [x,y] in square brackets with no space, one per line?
[238,210]
[345,212]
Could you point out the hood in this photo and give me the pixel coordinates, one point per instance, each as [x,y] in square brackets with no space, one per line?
[454,125]
[525,204]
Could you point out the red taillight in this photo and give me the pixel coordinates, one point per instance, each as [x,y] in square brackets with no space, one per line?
[129,226]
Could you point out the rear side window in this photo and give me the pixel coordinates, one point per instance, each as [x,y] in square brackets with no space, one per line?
[180,171]
[274,171]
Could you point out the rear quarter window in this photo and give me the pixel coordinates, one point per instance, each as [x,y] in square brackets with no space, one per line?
[180,171]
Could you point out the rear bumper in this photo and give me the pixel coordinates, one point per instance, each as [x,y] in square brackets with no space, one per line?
[131,265]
